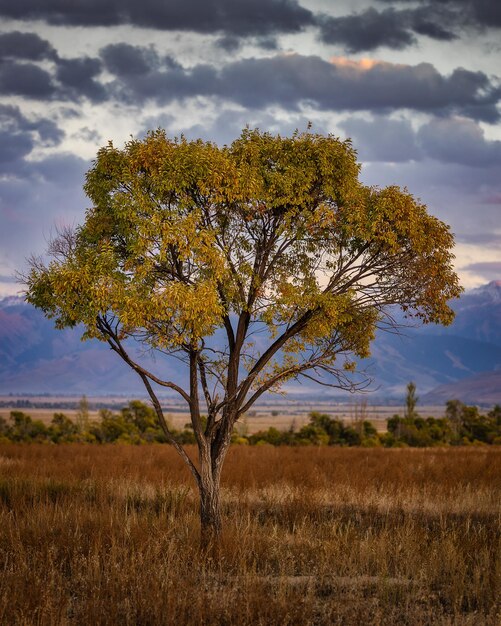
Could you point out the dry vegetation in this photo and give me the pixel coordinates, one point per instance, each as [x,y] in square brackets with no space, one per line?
[109,535]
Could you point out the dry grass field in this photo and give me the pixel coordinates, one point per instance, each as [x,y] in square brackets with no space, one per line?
[109,535]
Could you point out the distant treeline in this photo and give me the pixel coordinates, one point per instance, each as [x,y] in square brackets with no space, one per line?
[137,424]
[70,404]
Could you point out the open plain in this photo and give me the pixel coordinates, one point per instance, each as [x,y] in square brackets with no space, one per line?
[281,415]
[109,535]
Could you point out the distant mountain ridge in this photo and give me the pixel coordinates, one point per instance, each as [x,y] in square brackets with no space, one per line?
[37,358]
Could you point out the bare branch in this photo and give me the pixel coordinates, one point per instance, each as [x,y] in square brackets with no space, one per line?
[168,435]
[116,345]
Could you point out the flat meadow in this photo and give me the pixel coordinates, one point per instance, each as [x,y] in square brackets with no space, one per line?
[109,534]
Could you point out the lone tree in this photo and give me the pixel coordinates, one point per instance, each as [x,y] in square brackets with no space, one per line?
[253,264]
[411,400]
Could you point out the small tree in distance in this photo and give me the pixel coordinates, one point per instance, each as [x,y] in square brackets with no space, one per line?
[253,264]
[411,400]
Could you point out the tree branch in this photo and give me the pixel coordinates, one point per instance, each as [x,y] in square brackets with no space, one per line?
[116,345]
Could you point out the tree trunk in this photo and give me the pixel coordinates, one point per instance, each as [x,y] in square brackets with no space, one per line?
[210,516]
[210,503]
[211,457]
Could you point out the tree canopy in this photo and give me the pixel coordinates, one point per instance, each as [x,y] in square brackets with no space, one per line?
[271,242]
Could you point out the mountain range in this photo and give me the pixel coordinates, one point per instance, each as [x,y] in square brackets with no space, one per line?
[460,361]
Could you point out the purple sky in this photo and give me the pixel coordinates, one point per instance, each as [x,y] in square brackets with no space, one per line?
[416,84]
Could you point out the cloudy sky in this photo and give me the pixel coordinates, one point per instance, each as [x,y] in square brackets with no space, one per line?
[415,83]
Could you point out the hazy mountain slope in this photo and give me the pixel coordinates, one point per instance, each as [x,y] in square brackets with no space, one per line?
[36,358]
[484,388]
[478,314]
[429,359]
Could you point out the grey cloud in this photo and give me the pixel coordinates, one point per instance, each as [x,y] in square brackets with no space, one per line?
[229,43]
[367,31]
[232,43]
[18,136]
[341,85]
[487,12]
[449,140]
[14,146]
[489,239]
[166,84]
[383,139]
[49,132]
[26,79]
[453,192]
[12,120]
[66,79]
[34,197]
[481,13]
[59,167]
[389,28]
[291,80]
[267,43]
[78,78]
[242,18]
[122,59]
[459,141]
[489,270]
[6,278]
[425,23]
[88,134]
[25,46]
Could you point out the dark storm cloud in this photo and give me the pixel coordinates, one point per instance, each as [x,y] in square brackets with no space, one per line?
[346,85]
[122,59]
[389,28]
[367,31]
[64,79]
[341,85]
[162,82]
[78,78]
[242,18]
[480,13]
[427,22]
[26,79]
[25,46]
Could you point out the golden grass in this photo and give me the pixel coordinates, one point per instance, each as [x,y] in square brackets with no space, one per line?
[109,535]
